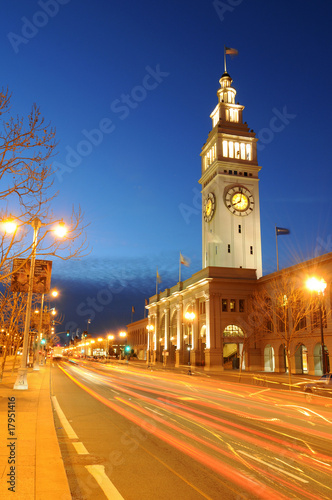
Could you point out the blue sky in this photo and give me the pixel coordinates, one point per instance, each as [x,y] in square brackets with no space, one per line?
[129,87]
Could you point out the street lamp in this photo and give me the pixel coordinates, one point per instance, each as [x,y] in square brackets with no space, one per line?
[54,293]
[109,337]
[123,335]
[150,329]
[190,316]
[10,227]
[318,285]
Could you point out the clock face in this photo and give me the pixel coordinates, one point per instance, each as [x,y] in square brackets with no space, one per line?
[209,207]
[239,200]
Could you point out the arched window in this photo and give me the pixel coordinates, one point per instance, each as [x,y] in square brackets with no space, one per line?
[233,331]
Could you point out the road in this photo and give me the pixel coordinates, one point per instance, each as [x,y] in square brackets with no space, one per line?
[133,434]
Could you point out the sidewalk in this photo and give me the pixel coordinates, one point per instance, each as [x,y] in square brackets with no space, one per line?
[36,466]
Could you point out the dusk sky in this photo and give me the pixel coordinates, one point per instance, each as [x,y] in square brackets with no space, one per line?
[136,82]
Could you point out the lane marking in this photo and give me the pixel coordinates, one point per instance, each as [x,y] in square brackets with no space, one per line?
[154,411]
[273,467]
[80,448]
[65,424]
[98,472]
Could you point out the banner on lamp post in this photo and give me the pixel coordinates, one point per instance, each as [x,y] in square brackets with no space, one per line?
[41,279]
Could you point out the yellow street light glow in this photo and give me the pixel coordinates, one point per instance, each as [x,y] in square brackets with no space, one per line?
[54,312]
[54,293]
[123,334]
[9,226]
[110,337]
[93,341]
[150,328]
[36,311]
[315,285]
[190,316]
[99,340]
[61,229]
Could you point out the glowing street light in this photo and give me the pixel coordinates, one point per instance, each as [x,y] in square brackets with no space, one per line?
[318,286]
[10,227]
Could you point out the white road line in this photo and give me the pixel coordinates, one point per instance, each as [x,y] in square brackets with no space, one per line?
[98,472]
[65,424]
[154,411]
[80,448]
[273,467]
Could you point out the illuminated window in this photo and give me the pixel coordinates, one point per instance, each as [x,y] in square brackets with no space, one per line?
[232,305]
[227,114]
[233,331]
[243,151]
[231,149]
[237,150]
[224,148]
[248,151]
[224,305]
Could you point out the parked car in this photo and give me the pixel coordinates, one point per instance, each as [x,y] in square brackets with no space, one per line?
[322,387]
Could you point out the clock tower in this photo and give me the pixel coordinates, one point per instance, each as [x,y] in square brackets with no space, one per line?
[231,234]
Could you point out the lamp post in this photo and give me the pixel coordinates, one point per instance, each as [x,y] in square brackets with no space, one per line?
[109,337]
[123,335]
[10,227]
[150,329]
[190,316]
[54,293]
[318,286]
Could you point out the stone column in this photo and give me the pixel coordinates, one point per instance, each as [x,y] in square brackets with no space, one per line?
[179,334]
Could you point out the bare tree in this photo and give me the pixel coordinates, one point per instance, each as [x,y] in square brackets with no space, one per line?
[283,306]
[26,178]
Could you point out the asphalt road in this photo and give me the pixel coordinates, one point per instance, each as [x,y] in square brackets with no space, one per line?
[139,434]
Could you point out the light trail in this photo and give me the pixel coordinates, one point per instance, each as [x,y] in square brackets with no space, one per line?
[204,420]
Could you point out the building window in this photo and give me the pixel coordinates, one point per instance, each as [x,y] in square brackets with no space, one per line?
[233,331]
[231,149]
[245,174]
[232,305]
[224,148]
[248,150]
[229,249]
[241,305]
[216,250]
[224,305]
[251,250]
[243,151]
[230,172]
[239,228]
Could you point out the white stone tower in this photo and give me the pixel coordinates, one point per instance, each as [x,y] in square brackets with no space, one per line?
[231,233]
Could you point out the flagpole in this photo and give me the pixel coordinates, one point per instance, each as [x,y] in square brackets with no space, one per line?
[225,58]
[179,268]
[157,282]
[277,248]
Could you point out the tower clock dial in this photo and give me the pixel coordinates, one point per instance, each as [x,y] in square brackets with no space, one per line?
[209,207]
[239,201]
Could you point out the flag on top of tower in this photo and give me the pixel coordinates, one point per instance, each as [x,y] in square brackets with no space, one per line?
[281,230]
[158,277]
[184,260]
[231,52]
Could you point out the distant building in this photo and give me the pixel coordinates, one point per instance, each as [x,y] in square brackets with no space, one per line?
[221,334]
